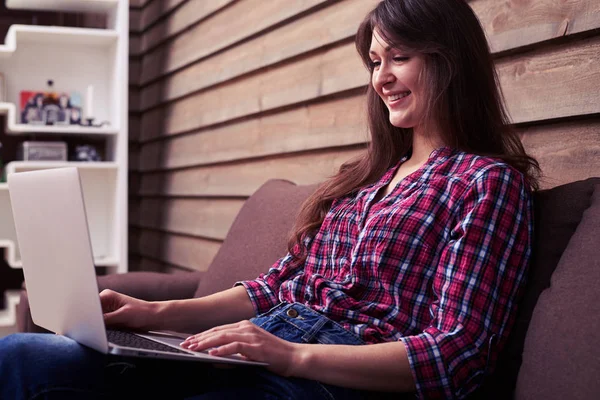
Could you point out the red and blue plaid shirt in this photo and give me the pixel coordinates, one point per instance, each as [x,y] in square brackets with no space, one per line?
[438,263]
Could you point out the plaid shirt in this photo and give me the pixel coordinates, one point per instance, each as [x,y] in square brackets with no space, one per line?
[438,264]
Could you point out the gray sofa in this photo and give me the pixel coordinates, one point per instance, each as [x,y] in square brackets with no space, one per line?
[553,351]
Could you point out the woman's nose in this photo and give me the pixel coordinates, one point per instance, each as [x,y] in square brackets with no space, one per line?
[383,75]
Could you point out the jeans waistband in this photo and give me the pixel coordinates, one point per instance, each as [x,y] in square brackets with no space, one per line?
[299,323]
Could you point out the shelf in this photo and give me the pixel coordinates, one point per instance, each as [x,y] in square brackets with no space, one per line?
[91,6]
[74,58]
[99,183]
[23,166]
[10,111]
[22,34]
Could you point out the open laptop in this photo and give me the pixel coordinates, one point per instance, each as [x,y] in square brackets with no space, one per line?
[54,241]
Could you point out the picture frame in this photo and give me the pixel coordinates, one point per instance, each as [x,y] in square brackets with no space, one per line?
[50,108]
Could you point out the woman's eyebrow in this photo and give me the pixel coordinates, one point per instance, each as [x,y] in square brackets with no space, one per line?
[386,49]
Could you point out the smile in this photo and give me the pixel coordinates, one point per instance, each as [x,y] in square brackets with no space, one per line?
[398,96]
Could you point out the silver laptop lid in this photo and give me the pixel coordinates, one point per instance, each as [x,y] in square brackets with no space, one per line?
[55,247]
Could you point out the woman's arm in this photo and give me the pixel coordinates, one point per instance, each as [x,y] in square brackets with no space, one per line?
[191,315]
[197,315]
[380,367]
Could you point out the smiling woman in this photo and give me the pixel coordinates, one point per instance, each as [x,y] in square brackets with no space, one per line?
[404,269]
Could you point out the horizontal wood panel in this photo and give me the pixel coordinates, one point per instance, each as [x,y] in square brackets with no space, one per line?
[553,82]
[135,69]
[206,218]
[512,24]
[571,68]
[234,23]
[135,43]
[183,251]
[134,181]
[159,8]
[134,99]
[337,122]
[182,18]
[329,72]
[133,162]
[135,20]
[139,3]
[134,125]
[244,179]
[328,25]
[566,151]
[507,27]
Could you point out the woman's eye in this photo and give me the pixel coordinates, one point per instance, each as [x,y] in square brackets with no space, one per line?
[401,59]
[375,64]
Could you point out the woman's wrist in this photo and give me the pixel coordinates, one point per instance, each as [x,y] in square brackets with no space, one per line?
[301,360]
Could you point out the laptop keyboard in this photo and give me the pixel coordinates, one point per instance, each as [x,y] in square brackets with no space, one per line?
[127,339]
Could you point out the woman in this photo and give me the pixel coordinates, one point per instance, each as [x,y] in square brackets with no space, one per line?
[404,269]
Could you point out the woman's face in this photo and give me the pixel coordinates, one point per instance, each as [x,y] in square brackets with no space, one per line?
[397,80]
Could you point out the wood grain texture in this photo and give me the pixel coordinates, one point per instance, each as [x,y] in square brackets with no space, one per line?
[135,20]
[567,151]
[160,8]
[206,218]
[134,125]
[135,44]
[321,28]
[134,99]
[314,126]
[517,23]
[234,23]
[243,179]
[183,251]
[190,13]
[135,69]
[139,3]
[553,82]
[329,72]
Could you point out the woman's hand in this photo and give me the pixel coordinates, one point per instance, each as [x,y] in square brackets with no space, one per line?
[127,312]
[250,341]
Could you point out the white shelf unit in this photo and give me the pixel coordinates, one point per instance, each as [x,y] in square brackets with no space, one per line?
[73,58]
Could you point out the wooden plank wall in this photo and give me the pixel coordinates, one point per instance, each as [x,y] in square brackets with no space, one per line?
[229,93]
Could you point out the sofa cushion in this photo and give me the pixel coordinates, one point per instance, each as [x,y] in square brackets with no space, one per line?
[257,237]
[558,212]
[561,358]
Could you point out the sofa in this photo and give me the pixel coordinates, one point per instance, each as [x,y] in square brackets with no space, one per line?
[552,352]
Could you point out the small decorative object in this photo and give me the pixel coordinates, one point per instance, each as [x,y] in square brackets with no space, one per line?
[86,153]
[2,88]
[50,108]
[42,151]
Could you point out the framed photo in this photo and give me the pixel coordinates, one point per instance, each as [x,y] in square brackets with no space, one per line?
[50,108]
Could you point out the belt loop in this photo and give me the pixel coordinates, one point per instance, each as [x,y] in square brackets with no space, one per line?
[314,330]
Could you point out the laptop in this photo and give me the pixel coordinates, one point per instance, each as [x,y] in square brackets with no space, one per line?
[54,241]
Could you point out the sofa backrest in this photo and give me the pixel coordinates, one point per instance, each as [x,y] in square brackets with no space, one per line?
[561,355]
[258,236]
[558,213]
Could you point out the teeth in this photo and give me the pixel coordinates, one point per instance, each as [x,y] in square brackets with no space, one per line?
[398,96]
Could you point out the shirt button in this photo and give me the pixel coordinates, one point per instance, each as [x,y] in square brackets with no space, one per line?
[292,313]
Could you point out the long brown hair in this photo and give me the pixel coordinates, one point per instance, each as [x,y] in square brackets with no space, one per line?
[464,100]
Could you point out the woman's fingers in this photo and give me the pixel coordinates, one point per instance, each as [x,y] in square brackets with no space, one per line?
[243,325]
[220,338]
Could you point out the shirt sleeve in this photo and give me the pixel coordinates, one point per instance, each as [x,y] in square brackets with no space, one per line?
[264,290]
[476,285]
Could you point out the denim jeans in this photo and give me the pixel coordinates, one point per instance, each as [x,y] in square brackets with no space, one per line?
[45,366]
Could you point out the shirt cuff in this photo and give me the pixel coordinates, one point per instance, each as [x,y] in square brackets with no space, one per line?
[261,295]
[427,367]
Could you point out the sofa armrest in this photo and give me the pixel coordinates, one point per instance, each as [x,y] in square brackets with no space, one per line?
[151,286]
